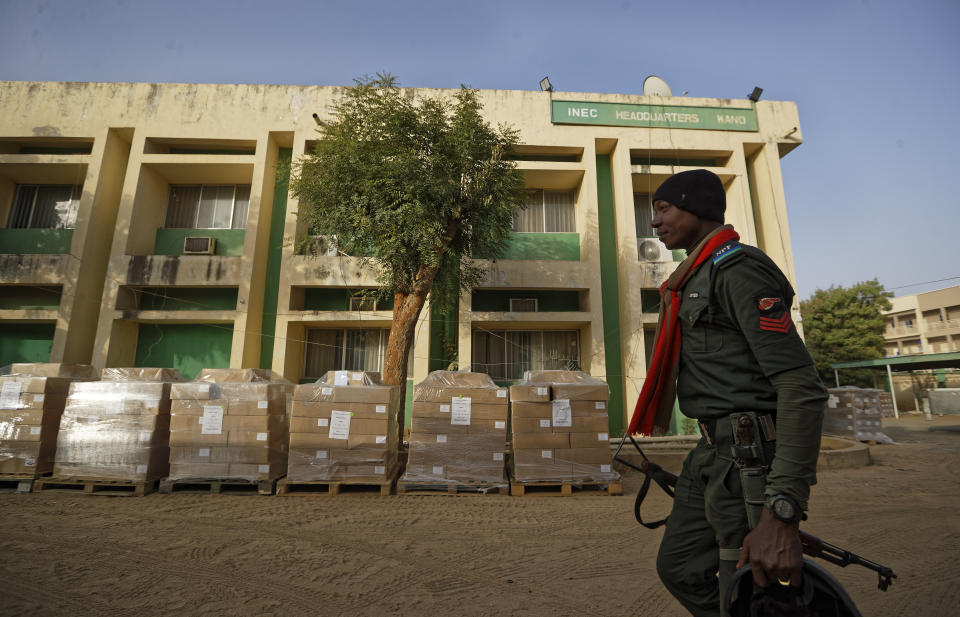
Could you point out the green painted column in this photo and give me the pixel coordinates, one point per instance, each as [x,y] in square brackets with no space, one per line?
[271,289]
[610,293]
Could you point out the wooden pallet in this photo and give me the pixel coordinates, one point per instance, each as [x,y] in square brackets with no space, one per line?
[260,487]
[96,486]
[335,487]
[565,489]
[449,488]
[17,482]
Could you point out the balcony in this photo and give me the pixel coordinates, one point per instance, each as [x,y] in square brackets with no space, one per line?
[176,270]
[944,326]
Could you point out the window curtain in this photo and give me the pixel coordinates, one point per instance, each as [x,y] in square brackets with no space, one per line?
[182,207]
[560,350]
[558,211]
[521,353]
[530,219]
[324,352]
[47,207]
[643,215]
[489,354]
[240,206]
[363,350]
[22,207]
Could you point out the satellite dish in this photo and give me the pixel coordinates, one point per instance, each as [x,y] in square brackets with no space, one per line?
[655,86]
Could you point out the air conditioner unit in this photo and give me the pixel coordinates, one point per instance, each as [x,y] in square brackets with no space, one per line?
[651,249]
[523,305]
[199,245]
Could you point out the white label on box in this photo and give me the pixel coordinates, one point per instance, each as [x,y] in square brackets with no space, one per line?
[326,391]
[501,394]
[203,452]
[141,469]
[381,439]
[500,424]
[356,376]
[321,454]
[35,430]
[498,456]
[441,439]
[30,462]
[460,410]
[605,468]
[381,409]
[603,437]
[263,468]
[263,404]
[444,408]
[546,453]
[113,408]
[339,425]
[561,413]
[10,395]
[379,470]
[831,402]
[544,423]
[37,398]
[261,436]
[204,388]
[200,420]
[542,391]
[145,435]
[323,422]
[340,378]
[212,420]
[438,470]
[600,405]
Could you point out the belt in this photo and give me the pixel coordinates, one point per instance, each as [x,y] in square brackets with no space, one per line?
[720,429]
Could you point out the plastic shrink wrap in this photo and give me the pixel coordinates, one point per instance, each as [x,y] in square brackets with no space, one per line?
[560,428]
[344,427]
[32,398]
[458,431]
[229,424]
[855,413]
[117,428]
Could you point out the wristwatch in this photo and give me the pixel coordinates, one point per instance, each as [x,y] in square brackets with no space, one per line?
[785,508]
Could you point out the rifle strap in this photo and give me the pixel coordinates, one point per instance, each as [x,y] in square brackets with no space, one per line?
[654,472]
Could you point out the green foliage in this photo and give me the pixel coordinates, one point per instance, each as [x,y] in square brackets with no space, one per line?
[415,184]
[845,324]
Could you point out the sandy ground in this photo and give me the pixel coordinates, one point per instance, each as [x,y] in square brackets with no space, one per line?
[189,554]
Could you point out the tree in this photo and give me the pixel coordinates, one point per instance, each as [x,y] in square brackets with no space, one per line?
[417,186]
[843,324]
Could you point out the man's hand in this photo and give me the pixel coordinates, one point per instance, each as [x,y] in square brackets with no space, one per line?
[773,550]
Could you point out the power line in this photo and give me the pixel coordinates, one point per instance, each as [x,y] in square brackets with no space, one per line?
[951,278]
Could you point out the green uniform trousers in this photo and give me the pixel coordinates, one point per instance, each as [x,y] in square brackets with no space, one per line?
[705,530]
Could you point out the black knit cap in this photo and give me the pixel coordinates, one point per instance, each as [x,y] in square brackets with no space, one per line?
[698,191]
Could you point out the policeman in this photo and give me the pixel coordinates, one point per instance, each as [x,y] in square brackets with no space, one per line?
[744,373]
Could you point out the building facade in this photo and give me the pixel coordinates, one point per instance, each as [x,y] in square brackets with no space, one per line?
[151,225]
[924,323]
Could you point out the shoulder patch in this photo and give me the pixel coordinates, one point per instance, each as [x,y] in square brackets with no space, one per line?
[728,253]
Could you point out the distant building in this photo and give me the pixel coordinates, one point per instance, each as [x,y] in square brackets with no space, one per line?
[924,323]
[146,225]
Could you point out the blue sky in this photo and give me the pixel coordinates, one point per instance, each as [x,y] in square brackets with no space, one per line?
[870,193]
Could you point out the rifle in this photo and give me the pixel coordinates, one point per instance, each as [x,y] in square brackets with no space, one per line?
[812,545]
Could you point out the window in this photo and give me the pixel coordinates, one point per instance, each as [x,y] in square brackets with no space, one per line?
[546,211]
[508,354]
[523,305]
[350,349]
[208,206]
[643,215]
[47,206]
[363,303]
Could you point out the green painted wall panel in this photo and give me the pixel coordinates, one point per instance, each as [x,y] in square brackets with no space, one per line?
[271,291]
[185,347]
[170,241]
[499,300]
[546,246]
[35,241]
[30,297]
[20,342]
[188,299]
[610,292]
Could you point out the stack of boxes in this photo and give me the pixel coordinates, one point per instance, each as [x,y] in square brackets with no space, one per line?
[458,431]
[32,398]
[560,428]
[854,413]
[344,428]
[229,424]
[117,428]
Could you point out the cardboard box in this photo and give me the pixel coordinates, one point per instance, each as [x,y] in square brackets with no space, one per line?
[590,424]
[344,472]
[321,392]
[543,441]
[223,375]
[231,407]
[530,393]
[589,440]
[190,422]
[443,425]
[534,425]
[199,471]
[225,454]
[322,440]
[350,378]
[594,455]
[322,409]
[358,426]
[54,369]
[140,374]
[457,446]
[477,411]
[255,391]
[522,409]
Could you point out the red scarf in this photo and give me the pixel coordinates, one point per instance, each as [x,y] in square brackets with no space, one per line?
[655,405]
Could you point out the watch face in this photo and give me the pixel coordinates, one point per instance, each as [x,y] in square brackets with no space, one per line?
[784,509]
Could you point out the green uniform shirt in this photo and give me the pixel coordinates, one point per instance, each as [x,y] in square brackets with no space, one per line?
[736,333]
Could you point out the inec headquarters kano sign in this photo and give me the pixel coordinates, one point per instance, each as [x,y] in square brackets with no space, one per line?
[655,116]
